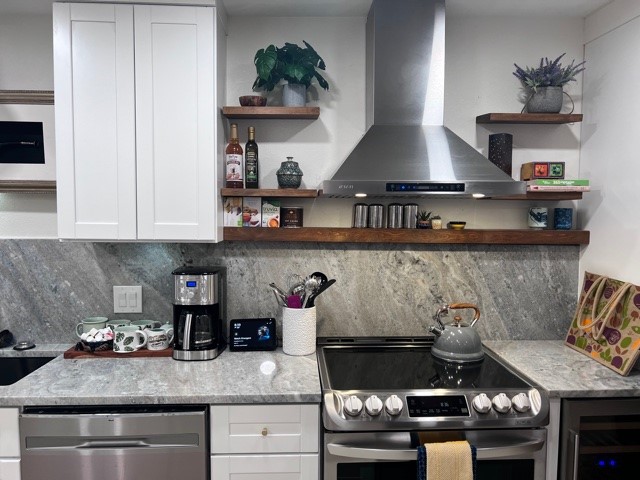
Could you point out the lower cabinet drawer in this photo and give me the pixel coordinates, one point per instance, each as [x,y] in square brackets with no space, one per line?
[265,467]
[251,429]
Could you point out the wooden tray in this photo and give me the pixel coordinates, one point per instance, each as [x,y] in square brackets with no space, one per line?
[72,353]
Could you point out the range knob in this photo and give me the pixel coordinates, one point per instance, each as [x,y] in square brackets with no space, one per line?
[373,405]
[353,406]
[481,403]
[521,403]
[393,405]
[501,403]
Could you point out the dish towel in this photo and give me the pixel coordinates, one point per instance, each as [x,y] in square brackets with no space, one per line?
[447,461]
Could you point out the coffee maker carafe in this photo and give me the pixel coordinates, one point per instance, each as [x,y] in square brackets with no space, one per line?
[198,312]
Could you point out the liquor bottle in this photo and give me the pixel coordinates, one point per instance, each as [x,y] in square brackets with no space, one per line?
[251,160]
[233,160]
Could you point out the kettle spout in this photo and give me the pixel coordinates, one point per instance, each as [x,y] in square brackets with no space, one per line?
[436,330]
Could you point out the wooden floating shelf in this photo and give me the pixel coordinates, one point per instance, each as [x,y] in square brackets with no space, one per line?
[27,186]
[27,97]
[268,192]
[549,118]
[302,113]
[414,236]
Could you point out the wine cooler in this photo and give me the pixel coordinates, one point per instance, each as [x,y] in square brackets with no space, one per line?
[600,439]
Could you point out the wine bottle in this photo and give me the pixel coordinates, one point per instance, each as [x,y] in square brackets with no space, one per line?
[251,160]
[233,160]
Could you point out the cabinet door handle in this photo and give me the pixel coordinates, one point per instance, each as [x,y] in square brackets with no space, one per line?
[265,432]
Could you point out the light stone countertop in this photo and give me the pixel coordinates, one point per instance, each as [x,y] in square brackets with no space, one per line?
[233,377]
[563,372]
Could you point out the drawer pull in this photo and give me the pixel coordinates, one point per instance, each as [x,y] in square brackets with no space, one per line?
[265,432]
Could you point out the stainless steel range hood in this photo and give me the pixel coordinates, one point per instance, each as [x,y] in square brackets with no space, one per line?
[407,151]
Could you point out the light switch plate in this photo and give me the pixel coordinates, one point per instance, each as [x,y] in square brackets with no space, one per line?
[127,299]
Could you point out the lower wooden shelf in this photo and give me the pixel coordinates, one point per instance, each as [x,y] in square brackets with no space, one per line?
[414,236]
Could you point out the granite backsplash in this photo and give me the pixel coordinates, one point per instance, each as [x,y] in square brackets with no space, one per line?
[523,292]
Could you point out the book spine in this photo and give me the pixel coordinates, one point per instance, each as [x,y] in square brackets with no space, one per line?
[558,188]
[558,182]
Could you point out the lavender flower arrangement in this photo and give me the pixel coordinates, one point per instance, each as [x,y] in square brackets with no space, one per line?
[548,74]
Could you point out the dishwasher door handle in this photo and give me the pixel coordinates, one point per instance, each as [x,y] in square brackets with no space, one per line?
[482,453]
[132,443]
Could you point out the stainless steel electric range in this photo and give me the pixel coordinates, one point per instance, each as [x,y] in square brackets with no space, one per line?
[382,397]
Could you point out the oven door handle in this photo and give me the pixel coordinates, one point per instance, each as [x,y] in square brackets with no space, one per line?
[482,453]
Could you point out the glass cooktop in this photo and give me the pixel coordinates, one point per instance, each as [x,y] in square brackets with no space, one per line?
[399,367]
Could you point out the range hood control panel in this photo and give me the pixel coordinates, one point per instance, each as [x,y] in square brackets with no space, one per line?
[425,187]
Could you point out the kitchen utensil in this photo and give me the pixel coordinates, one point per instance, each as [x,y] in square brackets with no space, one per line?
[322,278]
[294,301]
[456,342]
[281,296]
[322,288]
[311,286]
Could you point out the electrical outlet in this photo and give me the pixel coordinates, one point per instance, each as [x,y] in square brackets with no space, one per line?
[127,299]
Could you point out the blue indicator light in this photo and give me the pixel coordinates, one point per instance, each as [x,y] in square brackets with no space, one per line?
[601,463]
[612,463]
[192,284]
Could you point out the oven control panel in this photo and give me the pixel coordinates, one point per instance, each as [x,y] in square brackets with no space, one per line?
[358,410]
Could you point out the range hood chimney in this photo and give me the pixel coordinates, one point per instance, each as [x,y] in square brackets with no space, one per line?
[407,151]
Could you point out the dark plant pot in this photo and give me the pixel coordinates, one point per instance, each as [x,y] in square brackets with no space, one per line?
[424,224]
[545,100]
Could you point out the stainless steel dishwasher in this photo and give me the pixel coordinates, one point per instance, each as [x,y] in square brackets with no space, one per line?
[114,443]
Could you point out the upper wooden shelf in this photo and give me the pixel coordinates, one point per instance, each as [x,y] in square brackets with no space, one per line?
[550,118]
[304,113]
[413,236]
[27,97]
[558,196]
[268,192]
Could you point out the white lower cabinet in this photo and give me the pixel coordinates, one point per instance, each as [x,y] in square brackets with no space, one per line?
[9,444]
[265,442]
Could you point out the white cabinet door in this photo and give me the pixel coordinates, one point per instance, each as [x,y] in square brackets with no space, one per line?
[95,121]
[265,467]
[175,112]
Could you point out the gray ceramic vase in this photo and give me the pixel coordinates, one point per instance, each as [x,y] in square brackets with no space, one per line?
[545,100]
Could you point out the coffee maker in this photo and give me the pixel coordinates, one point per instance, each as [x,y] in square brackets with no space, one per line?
[198,312]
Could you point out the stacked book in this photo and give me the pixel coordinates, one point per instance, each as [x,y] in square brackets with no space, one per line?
[557,185]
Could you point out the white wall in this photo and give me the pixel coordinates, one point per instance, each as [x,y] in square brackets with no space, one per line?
[26,63]
[480,56]
[609,142]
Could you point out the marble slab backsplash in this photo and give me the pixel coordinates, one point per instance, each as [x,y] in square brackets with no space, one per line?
[523,292]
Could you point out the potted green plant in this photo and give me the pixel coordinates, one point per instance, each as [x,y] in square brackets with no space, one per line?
[545,83]
[423,219]
[293,64]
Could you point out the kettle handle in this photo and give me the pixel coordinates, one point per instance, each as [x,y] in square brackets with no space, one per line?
[459,306]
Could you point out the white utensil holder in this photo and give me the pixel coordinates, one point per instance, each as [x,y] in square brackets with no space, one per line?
[299,331]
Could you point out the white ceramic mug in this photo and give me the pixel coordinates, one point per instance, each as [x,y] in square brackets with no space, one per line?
[145,324]
[91,322]
[537,217]
[128,339]
[168,328]
[158,339]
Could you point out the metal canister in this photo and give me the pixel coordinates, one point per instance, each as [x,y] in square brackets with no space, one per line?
[376,212]
[360,215]
[292,217]
[394,215]
[410,215]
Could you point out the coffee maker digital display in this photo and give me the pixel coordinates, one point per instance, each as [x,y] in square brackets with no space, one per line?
[198,313]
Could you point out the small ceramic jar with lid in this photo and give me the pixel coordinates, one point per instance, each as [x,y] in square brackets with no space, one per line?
[289,174]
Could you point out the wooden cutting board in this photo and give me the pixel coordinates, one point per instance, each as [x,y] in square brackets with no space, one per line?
[143,352]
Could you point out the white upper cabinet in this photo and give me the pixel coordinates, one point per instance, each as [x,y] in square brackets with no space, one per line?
[136,131]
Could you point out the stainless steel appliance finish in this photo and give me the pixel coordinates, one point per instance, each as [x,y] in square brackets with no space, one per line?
[198,313]
[114,443]
[407,151]
[382,396]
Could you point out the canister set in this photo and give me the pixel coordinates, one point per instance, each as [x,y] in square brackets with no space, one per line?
[372,216]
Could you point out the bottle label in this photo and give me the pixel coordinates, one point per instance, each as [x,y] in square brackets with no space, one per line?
[234,167]
[251,162]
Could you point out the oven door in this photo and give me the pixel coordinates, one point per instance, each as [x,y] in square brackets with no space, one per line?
[500,454]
